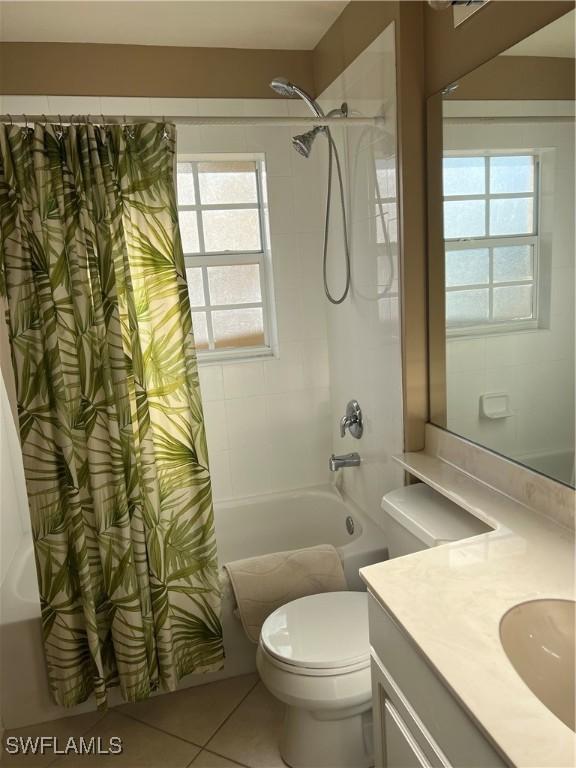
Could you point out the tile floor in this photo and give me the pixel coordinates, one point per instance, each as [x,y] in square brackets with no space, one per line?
[235,722]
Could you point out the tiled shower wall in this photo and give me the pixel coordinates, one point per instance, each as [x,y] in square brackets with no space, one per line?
[267,421]
[364,333]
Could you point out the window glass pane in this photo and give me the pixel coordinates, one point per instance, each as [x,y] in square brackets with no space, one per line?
[200,327]
[189,231]
[238,328]
[232,230]
[227,182]
[512,216]
[467,267]
[467,306]
[386,177]
[185,184]
[195,286]
[464,176]
[513,262]
[513,302]
[237,284]
[464,218]
[511,174]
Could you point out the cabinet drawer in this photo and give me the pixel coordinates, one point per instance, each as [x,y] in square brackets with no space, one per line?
[453,730]
[400,749]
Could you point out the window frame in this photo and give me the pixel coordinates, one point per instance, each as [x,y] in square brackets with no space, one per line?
[204,259]
[490,242]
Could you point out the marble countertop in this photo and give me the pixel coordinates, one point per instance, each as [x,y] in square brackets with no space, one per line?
[450,600]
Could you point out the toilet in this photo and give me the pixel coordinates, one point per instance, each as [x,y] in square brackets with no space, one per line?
[314,655]
[314,652]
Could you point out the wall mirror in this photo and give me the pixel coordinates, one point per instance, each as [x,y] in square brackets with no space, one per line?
[502,253]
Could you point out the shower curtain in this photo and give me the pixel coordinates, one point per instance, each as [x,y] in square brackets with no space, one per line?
[110,417]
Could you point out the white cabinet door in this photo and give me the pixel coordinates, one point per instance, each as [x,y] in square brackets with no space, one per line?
[400,749]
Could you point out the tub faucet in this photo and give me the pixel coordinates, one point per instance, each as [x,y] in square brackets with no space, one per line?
[347,460]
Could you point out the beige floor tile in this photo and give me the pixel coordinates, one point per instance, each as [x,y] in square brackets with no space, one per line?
[60,729]
[252,734]
[143,747]
[208,759]
[194,713]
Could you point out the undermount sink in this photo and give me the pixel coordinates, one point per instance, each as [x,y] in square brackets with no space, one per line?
[538,637]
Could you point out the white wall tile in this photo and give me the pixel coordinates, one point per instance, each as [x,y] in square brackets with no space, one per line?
[211,382]
[174,107]
[247,422]
[75,105]
[285,374]
[124,105]
[243,380]
[216,426]
[30,105]
[220,475]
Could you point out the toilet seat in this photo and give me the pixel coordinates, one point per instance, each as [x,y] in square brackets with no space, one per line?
[319,635]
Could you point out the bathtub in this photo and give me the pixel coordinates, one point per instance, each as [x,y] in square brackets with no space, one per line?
[244,528]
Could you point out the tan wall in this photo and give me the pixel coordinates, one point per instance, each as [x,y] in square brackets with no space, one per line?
[519,77]
[452,53]
[90,69]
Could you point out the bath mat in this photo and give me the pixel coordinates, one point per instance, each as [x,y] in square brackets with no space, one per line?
[262,584]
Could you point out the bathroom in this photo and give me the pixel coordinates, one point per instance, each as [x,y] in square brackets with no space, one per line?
[388,426]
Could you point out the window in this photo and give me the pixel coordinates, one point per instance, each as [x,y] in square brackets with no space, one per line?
[221,212]
[491,241]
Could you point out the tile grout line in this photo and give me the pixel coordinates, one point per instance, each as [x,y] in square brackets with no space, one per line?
[104,713]
[229,715]
[157,728]
[217,754]
[181,738]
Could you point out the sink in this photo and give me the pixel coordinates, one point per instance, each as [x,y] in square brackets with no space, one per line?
[538,637]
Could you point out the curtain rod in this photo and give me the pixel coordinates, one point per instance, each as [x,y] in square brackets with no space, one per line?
[189,120]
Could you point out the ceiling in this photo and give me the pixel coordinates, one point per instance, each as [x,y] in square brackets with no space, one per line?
[209,23]
[555,40]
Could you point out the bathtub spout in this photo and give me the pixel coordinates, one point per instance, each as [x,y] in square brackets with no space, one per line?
[347,460]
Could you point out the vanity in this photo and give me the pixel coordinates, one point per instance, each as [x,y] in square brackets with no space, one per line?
[472,641]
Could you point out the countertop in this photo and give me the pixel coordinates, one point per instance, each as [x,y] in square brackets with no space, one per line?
[450,600]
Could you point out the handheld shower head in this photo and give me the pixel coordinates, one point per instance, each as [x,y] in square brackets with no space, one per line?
[282,87]
[303,142]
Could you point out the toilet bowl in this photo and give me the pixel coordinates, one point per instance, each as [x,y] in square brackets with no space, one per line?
[314,655]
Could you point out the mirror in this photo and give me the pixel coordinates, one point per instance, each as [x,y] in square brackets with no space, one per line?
[502,253]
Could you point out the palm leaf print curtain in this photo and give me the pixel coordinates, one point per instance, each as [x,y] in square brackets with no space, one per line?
[110,416]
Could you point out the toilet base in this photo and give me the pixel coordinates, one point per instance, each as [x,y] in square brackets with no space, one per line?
[311,741]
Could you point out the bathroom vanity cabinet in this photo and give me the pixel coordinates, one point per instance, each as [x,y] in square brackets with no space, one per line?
[418,723]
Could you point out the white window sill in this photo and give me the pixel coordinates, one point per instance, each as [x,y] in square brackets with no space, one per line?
[235,356]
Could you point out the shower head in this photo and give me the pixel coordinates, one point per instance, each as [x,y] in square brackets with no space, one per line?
[284,87]
[303,142]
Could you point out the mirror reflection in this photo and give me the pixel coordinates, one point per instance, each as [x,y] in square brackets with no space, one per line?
[508,252]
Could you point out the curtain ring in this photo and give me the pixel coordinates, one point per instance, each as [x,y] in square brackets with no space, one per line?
[45,119]
[11,121]
[25,122]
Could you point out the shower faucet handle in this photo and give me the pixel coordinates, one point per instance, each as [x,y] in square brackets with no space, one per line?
[352,421]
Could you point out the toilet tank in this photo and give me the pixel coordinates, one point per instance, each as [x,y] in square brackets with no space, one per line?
[417,517]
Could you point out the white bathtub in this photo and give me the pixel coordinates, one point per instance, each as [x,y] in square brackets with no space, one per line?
[244,528]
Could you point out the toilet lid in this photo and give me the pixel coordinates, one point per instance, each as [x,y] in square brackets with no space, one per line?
[329,630]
